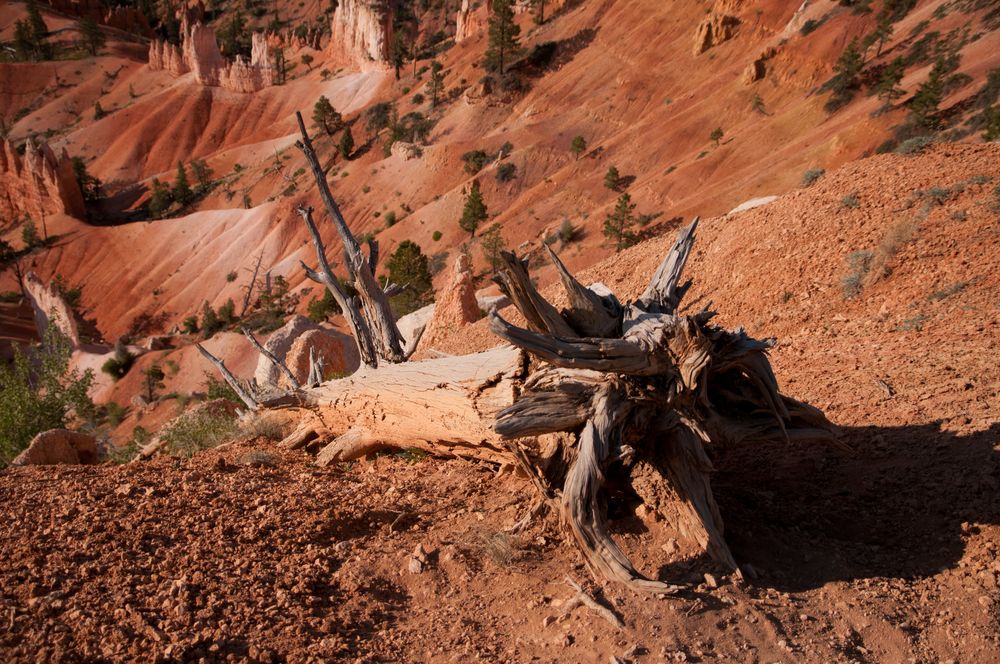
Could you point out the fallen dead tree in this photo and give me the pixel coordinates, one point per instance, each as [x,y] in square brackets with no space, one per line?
[636,393]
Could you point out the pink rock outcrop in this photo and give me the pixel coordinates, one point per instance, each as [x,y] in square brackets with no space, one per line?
[325,345]
[455,307]
[50,309]
[360,33]
[471,19]
[38,184]
[199,54]
[58,446]
[714,30]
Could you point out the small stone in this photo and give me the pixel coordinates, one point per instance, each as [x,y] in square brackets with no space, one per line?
[711,581]
[548,620]
[415,566]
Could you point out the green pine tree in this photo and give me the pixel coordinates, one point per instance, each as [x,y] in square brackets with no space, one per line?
[202,174]
[991,118]
[845,80]
[346,146]
[182,188]
[90,186]
[153,379]
[928,97]
[93,38]
[491,243]
[504,43]
[618,224]
[408,266]
[39,32]
[436,85]
[24,41]
[612,179]
[474,212]
[398,52]
[887,88]
[326,116]
[29,234]
[160,199]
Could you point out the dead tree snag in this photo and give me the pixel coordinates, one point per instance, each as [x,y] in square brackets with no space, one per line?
[383,341]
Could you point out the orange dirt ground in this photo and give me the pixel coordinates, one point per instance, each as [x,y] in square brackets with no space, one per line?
[888,553]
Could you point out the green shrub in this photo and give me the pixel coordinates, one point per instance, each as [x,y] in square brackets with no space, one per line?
[118,366]
[914,145]
[567,231]
[39,393]
[810,26]
[201,429]
[475,160]
[216,388]
[506,172]
[810,176]
[263,425]
[859,264]
[114,413]
[436,236]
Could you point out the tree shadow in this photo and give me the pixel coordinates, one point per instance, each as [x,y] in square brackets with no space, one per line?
[897,507]
[118,208]
[553,55]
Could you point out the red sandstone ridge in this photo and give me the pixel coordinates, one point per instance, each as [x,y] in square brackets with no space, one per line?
[39,184]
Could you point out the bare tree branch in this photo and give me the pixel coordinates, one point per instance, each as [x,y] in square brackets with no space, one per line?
[234,383]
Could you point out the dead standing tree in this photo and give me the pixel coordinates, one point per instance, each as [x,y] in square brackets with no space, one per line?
[369,317]
[599,391]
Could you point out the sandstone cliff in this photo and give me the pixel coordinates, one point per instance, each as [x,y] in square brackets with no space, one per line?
[470,20]
[38,184]
[361,34]
[50,308]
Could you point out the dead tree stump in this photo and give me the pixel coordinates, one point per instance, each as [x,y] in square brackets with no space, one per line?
[644,387]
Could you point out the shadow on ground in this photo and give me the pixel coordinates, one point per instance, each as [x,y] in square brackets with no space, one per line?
[898,507]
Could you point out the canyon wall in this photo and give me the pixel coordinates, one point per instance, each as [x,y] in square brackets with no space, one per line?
[37,184]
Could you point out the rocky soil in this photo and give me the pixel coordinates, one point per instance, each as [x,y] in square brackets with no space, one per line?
[884,554]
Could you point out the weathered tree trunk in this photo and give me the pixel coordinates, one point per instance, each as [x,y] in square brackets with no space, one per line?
[444,406]
[639,391]
[379,337]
